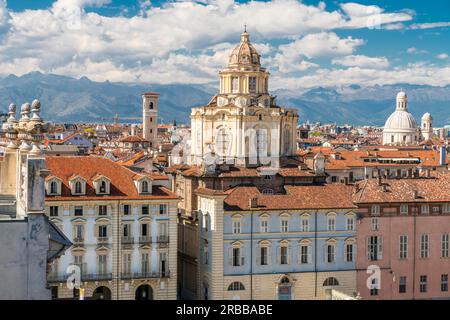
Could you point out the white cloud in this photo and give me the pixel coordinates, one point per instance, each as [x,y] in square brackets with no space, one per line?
[442,56]
[430,25]
[5,19]
[322,44]
[362,61]
[414,50]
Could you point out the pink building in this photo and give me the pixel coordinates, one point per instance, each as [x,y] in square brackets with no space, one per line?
[403,229]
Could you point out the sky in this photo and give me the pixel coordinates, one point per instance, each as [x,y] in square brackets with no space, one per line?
[304,44]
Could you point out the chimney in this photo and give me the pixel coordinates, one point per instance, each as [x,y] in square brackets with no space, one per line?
[379,180]
[253,202]
[415,194]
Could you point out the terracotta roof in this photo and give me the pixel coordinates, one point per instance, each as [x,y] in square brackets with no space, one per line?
[326,196]
[132,139]
[436,188]
[122,183]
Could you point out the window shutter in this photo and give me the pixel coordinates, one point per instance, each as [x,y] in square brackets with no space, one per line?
[279,254]
[289,254]
[345,252]
[367,248]
[380,248]
[258,256]
[230,256]
[269,255]
[309,255]
[299,254]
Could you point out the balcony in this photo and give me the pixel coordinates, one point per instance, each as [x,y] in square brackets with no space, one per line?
[127,240]
[78,241]
[145,275]
[102,240]
[145,239]
[52,278]
[162,239]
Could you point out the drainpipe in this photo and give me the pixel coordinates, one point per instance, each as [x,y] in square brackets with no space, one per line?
[251,255]
[315,253]
[119,248]
[414,255]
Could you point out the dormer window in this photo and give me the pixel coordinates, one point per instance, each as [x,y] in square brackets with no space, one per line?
[77,185]
[53,186]
[144,186]
[101,184]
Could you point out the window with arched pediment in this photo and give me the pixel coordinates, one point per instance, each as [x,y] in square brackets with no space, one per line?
[331,281]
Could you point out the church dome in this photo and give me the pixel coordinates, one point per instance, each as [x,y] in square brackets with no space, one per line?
[401,120]
[401,95]
[244,53]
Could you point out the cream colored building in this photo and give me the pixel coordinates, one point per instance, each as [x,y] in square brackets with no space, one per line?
[123,226]
[242,125]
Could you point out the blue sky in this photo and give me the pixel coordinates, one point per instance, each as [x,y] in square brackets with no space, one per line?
[303,43]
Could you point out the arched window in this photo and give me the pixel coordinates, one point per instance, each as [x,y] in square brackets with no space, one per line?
[53,187]
[236,286]
[284,280]
[151,105]
[331,281]
[144,186]
[103,187]
[78,187]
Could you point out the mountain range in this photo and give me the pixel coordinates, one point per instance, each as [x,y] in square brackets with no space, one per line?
[66,99]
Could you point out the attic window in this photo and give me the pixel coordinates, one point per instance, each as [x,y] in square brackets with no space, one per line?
[53,187]
[78,187]
[144,186]
[103,187]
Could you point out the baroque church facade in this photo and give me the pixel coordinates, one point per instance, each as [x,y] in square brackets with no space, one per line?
[243,125]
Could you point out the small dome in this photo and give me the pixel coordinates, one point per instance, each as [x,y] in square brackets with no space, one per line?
[427,116]
[244,52]
[400,120]
[12,108]
[401,95]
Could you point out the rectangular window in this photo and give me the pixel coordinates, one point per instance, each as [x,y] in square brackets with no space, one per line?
[375,210]
[145,263]
[423,283]
[54,211]
[403,247]
[402,285]
[102,210]
[305,224]
[236,257]
[375,224]
[144,230]
[235,84]
[163,209]
[103,231]
[236,226]
[374,248]
[102,264]
[330,253]
[126,230]
[351,223]
[444,282]
[78,211]
[349,252]
[444,245]
[305,251]
[264,257]
[126,209]
[424,246]
[145,210]
[331,223]
[284,255]
[446,208]
[284,225]
[264,226]
[252,84]
[79,233]
[425,209]
[404,209]
[126,263]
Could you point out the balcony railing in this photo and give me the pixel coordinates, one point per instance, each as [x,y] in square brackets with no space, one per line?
[145,275]
[127,240]
[102,239]
[84,277]
[158,239]
[78,241]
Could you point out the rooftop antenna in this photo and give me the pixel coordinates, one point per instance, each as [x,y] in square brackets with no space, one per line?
[245,27]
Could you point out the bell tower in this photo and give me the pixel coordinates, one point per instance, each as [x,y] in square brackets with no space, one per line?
[150,117]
